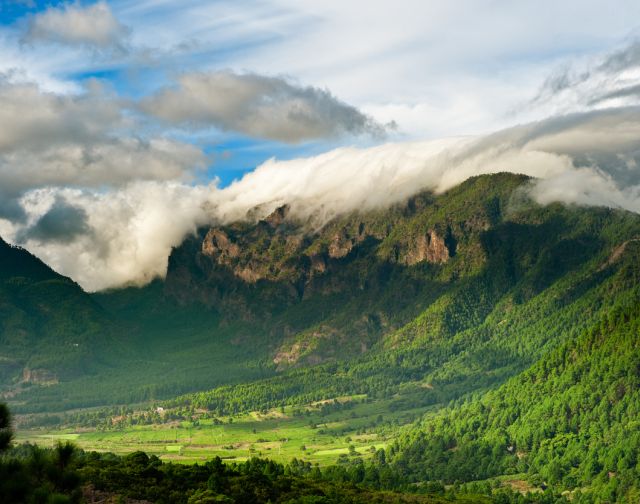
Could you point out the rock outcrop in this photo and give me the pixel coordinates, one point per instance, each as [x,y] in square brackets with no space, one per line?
[217,244]
[429,247]
[340,245]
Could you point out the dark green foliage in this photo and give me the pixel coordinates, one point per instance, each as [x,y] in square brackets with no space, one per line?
[47,323]
[253,482]
[31,475]
[6,433]
[571,420]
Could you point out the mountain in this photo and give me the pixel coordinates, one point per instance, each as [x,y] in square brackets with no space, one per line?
[509,326]
[359,277]
[520,327]
[50,329]
[570,420]
[437,297]
[430,268]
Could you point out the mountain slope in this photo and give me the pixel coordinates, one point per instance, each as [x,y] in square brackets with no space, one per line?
[522,281]
[49,327]
[357,278]
[430,268]
[570,420]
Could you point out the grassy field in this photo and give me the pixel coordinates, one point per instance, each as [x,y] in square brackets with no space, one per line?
[308,433]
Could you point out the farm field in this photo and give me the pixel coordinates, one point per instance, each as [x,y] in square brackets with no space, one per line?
[313,433]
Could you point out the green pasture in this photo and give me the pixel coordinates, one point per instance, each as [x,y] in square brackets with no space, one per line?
[303,433]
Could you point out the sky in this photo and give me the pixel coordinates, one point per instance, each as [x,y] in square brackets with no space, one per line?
[125,125]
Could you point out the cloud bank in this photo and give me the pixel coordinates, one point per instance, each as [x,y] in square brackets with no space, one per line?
[125,235]
[71,24]
[101,192]
[264,107]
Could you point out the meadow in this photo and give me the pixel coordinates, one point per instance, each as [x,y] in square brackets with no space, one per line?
[323,433]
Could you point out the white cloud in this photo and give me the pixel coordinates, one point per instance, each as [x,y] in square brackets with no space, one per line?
[33,119]
[103,199]
[127,233]
[604,145]
[72,24]
[83,140]
[259,106]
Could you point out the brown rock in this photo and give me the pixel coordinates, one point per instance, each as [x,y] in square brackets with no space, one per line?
[293,243]
[318,264]
[340,245]
[429,247]
[218,244]
[250,274]
[278,216]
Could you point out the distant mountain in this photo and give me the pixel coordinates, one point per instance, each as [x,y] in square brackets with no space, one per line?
[50,329]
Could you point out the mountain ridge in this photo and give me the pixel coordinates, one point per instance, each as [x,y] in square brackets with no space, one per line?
[428,274]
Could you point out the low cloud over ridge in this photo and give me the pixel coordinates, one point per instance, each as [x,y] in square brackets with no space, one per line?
[584,159]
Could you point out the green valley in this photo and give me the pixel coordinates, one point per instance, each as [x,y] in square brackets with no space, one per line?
[472,342]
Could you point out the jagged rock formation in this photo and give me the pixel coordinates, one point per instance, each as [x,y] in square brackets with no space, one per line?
[429,247]
[217,244]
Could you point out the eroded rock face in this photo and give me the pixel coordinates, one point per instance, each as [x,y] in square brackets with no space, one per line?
[318,264]
[251,273]
[218,244]
[278,216]
[429,247]
[340,245]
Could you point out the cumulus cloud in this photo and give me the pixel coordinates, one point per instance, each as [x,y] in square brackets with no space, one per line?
[33,119]
[82,140]
[72,24]
[265,107]
[106,239]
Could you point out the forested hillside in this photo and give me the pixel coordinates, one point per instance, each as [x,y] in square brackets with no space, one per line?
[571,420]
[50,329]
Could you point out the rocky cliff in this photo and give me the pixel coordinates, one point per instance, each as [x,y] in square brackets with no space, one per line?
[253,270]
